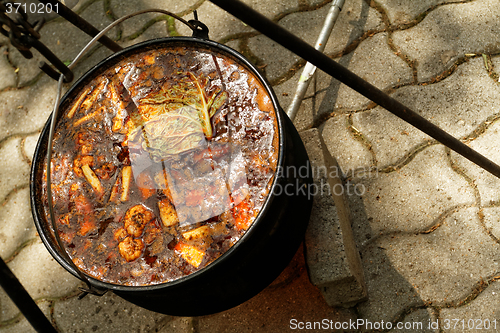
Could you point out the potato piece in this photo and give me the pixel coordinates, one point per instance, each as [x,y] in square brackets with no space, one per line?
[197,233]
[115,190]
[121,113]
[82,160]
[168,214]
[190,253]
[162,183]
[75,106]
[92,97]
[93,180]
[87,117]
[126,179]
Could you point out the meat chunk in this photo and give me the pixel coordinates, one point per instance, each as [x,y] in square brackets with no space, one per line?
[130,248]
[136,219]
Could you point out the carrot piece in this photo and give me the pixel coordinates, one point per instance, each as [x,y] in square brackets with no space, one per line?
[243,217]
[87,225]
[190,253]
[194,198]
[145,185]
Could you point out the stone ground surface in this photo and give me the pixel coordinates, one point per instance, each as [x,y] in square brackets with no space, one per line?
[426,221]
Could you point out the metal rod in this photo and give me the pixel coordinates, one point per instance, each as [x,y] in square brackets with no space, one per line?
[286,39]
[23,300]
[309,69]
[82,24]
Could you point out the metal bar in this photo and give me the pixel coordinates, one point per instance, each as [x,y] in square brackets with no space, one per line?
[286,39]
[82,24]
[309,69]
[23,300]
[54,60]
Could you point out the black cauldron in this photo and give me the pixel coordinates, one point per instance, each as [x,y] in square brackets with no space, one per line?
[254,261]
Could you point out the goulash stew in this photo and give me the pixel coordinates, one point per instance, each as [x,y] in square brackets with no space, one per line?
[161,164]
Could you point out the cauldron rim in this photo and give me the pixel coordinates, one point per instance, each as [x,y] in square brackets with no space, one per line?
[91,74]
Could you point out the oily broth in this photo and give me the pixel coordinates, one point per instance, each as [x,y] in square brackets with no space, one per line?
[136,205]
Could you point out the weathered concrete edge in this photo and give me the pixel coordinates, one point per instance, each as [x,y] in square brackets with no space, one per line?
[345,287]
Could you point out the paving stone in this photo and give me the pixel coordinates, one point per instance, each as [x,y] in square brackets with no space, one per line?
[30,143]
[491,218]
[40,275]
[457,104]
[350,153]
[222,24]
[388,291]
[496,65]
[438,267]
[277,307]
[25,111]
[354,20]
[23,326]
[6,70]
[14,171]
[412,198]
[479,314]
[108,313]
[488,145]
[66,46]
[403,11]
[449,32]
[307,26]
[459,250]
[135,24]
[263,48]
[390,137]
[373,61]
[407,270]
[421,320]
[178,325]
[16,222]
[121,8]
[27,69]
[285,93]
[332,257]
[302,120]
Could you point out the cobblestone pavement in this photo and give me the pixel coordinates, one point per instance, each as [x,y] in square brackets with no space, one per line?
[427,220]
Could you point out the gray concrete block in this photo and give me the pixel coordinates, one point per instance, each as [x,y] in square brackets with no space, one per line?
[333,261]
